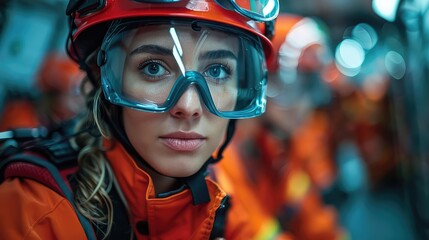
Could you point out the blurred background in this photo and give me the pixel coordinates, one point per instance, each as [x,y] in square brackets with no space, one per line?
[379,106]
[373,90]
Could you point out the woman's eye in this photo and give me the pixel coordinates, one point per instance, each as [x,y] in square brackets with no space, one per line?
[153,69]
[218,72]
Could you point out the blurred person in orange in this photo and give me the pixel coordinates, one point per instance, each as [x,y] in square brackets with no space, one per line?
[280,163]
[57,96]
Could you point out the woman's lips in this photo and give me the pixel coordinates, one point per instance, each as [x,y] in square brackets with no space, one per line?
[183,142]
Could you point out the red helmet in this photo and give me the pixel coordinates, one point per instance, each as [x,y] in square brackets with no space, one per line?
[283,25]
[58,73]
[90,18]
[297,39]
[301,55]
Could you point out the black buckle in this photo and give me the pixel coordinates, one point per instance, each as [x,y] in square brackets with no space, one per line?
[269,29]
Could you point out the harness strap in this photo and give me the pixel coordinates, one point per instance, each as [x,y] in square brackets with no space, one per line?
[218,230]
[34,172]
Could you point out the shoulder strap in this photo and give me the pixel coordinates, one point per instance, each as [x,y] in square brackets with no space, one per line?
[46,156]
[121,228]
[41,170]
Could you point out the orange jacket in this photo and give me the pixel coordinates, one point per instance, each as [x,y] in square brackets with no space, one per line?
[29,210]
[18,114]
[273,179]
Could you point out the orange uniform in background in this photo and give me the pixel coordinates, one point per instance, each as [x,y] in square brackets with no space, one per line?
[278,164]
[279,184]
[57,88]
[19,114]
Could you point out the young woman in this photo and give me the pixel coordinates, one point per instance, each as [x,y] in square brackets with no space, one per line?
[167,76]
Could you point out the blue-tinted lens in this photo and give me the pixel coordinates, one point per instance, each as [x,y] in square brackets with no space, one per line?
[257,10]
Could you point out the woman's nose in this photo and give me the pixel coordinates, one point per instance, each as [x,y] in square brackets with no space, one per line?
[189,105]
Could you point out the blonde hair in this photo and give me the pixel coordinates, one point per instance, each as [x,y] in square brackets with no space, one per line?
[94,177]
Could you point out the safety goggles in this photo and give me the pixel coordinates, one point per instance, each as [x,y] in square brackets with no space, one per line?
[148,65]
[257,10]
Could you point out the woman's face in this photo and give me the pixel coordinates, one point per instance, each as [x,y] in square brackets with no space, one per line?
[178,142]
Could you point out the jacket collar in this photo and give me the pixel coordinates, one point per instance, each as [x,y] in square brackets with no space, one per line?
[138,187]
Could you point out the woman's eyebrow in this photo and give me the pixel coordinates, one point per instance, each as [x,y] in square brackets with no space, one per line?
[217,54]
[153,49]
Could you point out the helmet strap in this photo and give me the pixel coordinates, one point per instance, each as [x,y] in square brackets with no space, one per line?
[75,56]
[198,186]
[197,183]
[229,134]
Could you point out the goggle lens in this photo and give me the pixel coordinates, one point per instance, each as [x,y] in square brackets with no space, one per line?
[150,65]
[258,10]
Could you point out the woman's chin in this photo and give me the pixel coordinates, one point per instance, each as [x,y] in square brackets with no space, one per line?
[179,170]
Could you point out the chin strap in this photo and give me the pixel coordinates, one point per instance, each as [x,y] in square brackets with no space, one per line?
[198,186]
[229,134]
[197,182]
